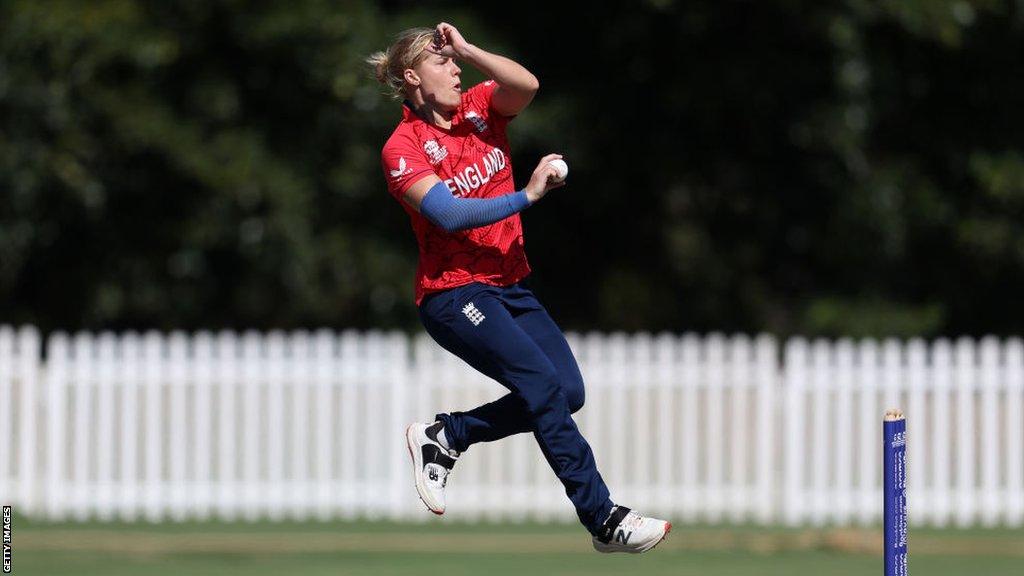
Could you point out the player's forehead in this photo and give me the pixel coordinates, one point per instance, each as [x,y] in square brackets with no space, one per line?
[436,59]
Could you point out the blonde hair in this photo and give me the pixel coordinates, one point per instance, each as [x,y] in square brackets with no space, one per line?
[406,52]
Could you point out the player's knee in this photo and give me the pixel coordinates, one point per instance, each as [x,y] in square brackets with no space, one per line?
[575,395]
[544,392]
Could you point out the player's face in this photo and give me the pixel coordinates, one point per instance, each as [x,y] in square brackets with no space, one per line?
[439,81]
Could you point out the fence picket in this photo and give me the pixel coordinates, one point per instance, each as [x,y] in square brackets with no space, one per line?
[1013,432]
[917,428]
[941,437]
[794,420]
[325,372]
[7,381]
[253,422]
[82,492]
[201,371]
[177,430]
[965,381]
[714,427]
[348,438]
[275,429]
[821,434]
[665,354]
[397,374]
[842,507]
[301,493]
[690,381]
[154,493]
[105,383]
[614,451]
[641,373]
[56,434]
[129,379]
[27,369]
[990,500]
[739,425]
[228,497]
[766,374]
[869,477]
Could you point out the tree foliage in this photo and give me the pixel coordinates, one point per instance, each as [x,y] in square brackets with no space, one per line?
[842,167]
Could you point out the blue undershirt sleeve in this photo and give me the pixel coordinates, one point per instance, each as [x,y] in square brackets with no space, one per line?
[453,214]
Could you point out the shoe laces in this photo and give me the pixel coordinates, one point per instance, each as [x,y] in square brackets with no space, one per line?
[632,521]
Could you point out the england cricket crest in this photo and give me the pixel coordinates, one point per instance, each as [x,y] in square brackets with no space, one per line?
[477,121]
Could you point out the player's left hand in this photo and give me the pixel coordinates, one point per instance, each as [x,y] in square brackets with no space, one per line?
[448,41]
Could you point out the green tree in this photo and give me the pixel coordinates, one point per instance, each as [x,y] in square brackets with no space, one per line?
[841,167]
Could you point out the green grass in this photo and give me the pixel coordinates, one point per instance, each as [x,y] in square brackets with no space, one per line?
[455,549]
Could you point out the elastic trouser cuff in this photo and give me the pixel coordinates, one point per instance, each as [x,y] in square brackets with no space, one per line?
[607,530]
[452,433]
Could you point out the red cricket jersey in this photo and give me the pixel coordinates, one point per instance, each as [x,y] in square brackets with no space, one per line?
[473,159]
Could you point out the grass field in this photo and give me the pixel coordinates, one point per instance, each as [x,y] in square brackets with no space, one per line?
[453,549]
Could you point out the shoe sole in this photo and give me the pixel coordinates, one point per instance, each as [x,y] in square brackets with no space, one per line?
[416,468]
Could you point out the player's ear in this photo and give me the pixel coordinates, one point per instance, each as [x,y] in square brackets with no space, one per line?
[411,77]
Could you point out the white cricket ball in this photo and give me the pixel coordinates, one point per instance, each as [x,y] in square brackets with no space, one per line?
[561,169]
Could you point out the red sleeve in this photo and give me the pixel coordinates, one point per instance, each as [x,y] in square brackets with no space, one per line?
[404,163]
[480,97]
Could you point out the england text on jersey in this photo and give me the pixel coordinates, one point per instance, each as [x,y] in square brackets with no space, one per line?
[472,177]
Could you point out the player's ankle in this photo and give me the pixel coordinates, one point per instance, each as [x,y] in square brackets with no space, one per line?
[436,433]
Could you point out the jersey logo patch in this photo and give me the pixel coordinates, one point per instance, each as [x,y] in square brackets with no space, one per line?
[435,152]
[401,170]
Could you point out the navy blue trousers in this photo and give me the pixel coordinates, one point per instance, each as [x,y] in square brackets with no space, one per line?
[505,333]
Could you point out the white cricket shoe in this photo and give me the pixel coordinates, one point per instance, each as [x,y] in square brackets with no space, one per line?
[628,531]
[431,464]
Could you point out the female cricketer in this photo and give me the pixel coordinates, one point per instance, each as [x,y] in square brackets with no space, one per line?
[448,163]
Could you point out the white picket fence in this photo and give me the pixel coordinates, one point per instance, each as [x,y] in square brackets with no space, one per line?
[310,425]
